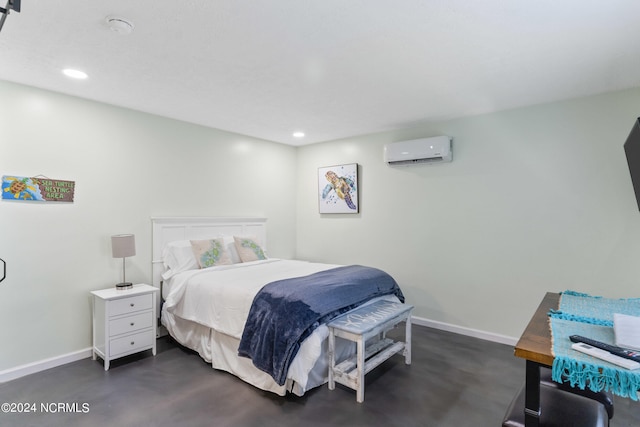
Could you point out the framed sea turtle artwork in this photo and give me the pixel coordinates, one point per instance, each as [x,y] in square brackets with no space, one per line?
[338,189]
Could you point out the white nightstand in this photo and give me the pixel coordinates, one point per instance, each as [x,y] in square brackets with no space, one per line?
[124,322]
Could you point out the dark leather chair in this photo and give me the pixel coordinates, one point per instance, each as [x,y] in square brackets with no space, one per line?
[563,406]
[603,397]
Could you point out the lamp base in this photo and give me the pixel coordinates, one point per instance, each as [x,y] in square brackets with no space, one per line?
[124,286]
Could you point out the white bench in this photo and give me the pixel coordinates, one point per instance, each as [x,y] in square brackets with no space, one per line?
[359,325]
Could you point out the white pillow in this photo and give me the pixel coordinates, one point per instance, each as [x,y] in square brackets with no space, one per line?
[230,246]
[177,257]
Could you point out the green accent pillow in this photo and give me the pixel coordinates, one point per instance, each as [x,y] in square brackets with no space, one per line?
[248,249]
[210,253]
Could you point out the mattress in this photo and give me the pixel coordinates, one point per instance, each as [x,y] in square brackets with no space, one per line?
[205,310]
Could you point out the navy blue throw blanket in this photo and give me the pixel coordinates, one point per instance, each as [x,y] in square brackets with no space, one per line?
[287,311]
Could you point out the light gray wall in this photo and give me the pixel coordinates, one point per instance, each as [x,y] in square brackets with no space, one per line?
[536,199]
[127,166]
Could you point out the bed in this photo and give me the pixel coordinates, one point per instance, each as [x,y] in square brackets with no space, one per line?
[216,307]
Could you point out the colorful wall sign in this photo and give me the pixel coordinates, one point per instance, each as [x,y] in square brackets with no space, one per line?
[37,189]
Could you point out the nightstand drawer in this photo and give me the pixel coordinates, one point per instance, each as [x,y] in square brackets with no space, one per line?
[132,343]
[131,323]
[130,305]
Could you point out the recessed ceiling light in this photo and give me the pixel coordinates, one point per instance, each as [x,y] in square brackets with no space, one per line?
[298,134]
[74,74]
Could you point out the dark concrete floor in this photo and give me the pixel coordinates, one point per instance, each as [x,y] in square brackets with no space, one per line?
[453,381]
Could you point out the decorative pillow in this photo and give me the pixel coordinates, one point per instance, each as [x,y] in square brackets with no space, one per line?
[248,249]
[210,253]
[177,257]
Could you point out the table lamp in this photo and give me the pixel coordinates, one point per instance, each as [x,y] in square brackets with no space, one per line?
[123,246]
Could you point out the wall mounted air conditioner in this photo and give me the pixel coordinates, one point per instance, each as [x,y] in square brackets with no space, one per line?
[423,150]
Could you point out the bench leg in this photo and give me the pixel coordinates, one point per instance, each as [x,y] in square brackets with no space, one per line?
[407,344]
[332,358]
[360,368]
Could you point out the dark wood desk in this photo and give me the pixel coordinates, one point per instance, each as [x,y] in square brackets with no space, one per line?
[535,347]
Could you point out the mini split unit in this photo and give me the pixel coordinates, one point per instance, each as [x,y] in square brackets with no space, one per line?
[424,150]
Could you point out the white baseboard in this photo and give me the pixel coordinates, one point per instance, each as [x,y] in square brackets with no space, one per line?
[488,336]
[32,368]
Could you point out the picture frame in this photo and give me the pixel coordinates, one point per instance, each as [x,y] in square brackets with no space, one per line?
[338,189]
[36,189]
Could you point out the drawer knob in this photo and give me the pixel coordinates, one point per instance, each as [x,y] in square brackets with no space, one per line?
[132,342]
[132,304]
[132,323]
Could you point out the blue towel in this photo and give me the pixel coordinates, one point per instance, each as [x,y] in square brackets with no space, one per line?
[592,309]
[591,317]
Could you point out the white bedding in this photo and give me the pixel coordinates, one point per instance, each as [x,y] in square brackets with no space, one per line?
[206,310]
[220,297]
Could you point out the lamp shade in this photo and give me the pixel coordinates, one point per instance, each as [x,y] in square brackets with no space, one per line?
[123,245]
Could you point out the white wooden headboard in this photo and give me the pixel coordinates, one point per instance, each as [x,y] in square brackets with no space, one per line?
[170,229]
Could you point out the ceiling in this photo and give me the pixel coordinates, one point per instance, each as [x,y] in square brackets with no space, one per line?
[330,68]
